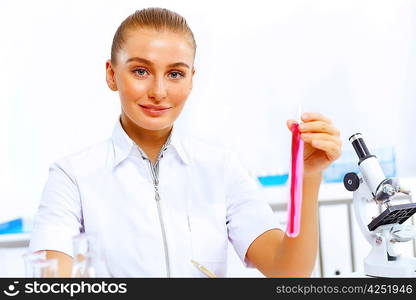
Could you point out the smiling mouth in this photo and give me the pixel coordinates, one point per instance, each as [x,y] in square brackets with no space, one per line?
[154,111]
[154,107]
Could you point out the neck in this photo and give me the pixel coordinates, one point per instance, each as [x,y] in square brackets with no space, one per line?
[147,140]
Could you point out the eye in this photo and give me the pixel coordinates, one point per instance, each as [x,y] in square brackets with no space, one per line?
[141,72]
[176,75]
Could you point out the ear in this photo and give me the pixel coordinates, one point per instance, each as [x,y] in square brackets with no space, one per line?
[110,75]
[192,77]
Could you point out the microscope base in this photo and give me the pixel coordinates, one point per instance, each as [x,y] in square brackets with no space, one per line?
[403,267]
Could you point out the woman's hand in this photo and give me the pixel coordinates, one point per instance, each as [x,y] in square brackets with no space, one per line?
[322,142]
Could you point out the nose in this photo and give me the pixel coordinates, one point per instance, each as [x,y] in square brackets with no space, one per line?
[157,90]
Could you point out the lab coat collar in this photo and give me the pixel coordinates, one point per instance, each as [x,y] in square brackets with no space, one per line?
[176,141]
[123,144]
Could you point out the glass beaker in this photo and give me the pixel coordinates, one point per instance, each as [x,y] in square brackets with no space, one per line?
[88,259]
[37,265]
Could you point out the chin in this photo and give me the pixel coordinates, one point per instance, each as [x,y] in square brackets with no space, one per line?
[154,124]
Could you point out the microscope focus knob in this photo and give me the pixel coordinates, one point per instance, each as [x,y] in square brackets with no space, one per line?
[351,181]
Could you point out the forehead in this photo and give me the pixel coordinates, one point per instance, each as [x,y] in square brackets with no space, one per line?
[160,47]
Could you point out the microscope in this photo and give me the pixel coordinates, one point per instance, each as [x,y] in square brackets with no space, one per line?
[387,229]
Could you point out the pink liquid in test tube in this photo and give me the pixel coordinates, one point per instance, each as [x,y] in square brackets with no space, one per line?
[296,181]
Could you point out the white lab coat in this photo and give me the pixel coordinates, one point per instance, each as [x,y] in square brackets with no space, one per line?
[206,199]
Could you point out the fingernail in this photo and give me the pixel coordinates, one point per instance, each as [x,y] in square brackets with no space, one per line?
[301,126]
[305,115]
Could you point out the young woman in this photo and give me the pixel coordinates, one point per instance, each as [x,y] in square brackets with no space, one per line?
[157,199]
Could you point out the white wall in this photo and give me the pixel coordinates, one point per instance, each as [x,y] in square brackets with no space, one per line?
[256,61]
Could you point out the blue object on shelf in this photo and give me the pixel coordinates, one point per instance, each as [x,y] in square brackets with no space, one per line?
[348,162]
[273,179]
[13,226]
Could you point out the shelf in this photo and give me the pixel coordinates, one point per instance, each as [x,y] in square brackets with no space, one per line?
[279,195]
[14,240]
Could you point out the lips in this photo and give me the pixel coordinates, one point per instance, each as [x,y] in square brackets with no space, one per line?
[154,110]
[155,107]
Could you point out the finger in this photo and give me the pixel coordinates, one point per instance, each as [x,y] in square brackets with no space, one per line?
[331,149]
[319,127]
[289,124]
[315,116]
[309,137]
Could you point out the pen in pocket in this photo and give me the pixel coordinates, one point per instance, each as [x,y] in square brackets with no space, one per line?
[203,269]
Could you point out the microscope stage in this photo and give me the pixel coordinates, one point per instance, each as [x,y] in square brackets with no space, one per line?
[392,215]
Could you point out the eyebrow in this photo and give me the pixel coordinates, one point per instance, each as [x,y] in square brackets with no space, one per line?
[148,62]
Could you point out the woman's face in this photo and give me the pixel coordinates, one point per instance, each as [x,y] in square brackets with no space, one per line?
[153,75]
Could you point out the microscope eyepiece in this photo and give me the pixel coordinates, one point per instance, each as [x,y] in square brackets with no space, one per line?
[360,147]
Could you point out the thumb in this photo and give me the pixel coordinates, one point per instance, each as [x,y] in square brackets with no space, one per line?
[289,124]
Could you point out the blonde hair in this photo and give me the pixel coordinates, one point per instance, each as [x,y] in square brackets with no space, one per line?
[159,19]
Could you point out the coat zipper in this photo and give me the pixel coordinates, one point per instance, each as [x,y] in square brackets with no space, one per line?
[154,170]
[159,210]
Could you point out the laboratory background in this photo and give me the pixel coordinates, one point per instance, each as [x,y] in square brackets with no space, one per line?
[256,63]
